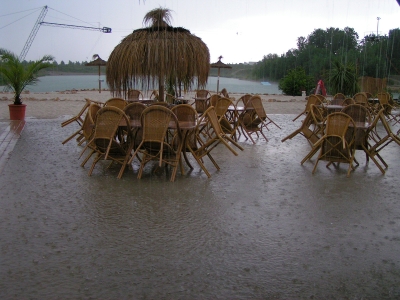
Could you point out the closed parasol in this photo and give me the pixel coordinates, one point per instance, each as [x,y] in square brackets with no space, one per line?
[219,64]
[157,54]
[97,62]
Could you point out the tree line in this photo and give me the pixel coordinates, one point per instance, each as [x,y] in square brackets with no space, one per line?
[334,50]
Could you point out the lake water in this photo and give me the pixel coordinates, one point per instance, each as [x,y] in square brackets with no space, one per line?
[79,82]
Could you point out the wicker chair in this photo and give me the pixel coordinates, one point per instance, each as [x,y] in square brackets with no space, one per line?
[312,99]
[306,129]
[106,141]
[134,111]
[227,119]
[185,113]
[86,129]
[360,115]
[242,101]
[336,146]
[377,143]
[155,144]
[348,101]
[339,96]
[154,95]
[116,102]
[202,101]
[254,119]
[201,145]
[384,104]
[214,98]
[135,95]
[78,117]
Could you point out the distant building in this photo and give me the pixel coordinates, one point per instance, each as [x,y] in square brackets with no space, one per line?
[250,63]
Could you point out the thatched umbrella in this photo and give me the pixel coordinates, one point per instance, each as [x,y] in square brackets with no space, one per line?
[97,62]
[219,64]
[155,54]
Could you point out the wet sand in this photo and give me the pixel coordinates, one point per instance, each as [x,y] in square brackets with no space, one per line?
[57,104]
[263,227]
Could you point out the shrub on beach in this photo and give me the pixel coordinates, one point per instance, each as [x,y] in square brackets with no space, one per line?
[296,81]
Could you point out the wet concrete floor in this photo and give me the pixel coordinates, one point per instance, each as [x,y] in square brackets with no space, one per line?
[263,227]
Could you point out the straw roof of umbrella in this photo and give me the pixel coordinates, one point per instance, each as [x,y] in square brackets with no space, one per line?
[97,61]
[149,56]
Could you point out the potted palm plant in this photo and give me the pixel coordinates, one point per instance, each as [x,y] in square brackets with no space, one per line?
[17,75]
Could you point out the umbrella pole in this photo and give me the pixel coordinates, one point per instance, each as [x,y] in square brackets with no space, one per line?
[99,81]
[218,81]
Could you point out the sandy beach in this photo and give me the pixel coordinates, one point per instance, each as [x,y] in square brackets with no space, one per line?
[57,104]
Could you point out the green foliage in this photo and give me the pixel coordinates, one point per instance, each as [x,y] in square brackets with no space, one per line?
[295,82]
[343,79]
[372,56]
[17,75]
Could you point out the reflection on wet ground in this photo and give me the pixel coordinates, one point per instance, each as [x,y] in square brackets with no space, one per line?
[261,227]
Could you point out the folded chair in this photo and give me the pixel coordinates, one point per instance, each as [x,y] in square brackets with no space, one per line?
[306,129]
[78,117]
[106,142]
[384,104]
[87,126]
[201,145]
[335,146]
[156,144]
[374,146]
[312,99]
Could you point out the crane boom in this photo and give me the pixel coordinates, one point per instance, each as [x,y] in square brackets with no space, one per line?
[33,33]
[104,29]
[39,22]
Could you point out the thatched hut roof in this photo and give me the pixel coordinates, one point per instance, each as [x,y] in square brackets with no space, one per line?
[151,55]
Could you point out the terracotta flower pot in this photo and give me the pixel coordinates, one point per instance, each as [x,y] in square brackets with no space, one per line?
[17,112]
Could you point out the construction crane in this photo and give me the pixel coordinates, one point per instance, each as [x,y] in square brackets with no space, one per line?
[39,22]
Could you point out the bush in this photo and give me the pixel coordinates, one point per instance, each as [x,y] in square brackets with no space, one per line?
[296,81]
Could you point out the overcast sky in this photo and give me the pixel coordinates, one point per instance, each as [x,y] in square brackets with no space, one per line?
[239,30]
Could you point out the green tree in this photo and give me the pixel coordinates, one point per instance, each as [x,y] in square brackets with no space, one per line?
[343,78]
[296,81]
[17,74]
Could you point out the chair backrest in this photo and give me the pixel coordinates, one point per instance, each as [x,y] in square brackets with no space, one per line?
[256,103]
[348,101]
[185,112]
[222,105]
[244,99]
[339,96]
[116,102]
[135,95]
[383,98]
[134,110]
[155,121]
[154,95]
[318,114]
[337,124]
[90,120]
[358,112]
[313,99]
[322,98]
[214,98]
[202,94]
[224,93]
[106,127]
[361,98]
